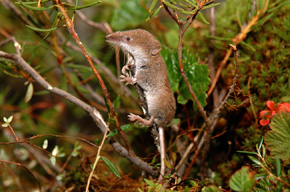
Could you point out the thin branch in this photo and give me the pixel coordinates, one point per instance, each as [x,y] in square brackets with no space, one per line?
[70,28]
[236,40]
[19,164]
[97,158]
[181,26]
[96,116]
[200,107]
[169,12]
[49,135]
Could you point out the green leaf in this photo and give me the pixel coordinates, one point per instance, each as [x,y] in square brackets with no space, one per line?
[152,5]
[113,133]
[277,139]
[36,8]
[255,160]
[248,152]
[112,121]
[150,183]
[29,93]
[210,6]
[278,166]
[130,14]
[211,188]
[173,6]
[41,30]
[198,77]
[112,166]
[196,73]
[153,14]
[117,102]
[125,127]
[31,3]
[175,121]
[203,19]
[242,180]
[192,183]
[171,60]
[87,5]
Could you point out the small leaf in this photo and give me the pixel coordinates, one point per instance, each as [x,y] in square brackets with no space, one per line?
[5,119]
[29,93]
[260,145]
[255,160]
[153,160]
[192,183]
[211,188]
[175,121]
[168,165]
[113,133]
[45,144]
[52,160]
[248,152]
[41,30]
[172,6]
[9,119]
[125,127]
[278,166]
[55,151]
[31,3]
[203,19]
[112,121]
[86,6]
[152,15]
[5,125]
[97,142]
[152,5]
[117,102]
[210,6]
[173,157]
[36,8]
[112,167]
[242,180]
[150,183]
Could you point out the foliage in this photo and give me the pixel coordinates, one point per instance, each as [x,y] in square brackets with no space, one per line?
[197,75]
[277,139]
[52,138]
[242,180]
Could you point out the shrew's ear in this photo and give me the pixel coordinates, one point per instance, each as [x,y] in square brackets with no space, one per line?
[155,51]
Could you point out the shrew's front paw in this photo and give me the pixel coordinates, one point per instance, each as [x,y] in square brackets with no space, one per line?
[129,80]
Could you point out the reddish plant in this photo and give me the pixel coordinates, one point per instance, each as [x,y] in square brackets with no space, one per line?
[266,115]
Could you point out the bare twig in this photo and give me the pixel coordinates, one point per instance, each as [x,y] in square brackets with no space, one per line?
[236,40]
[19,164]
[96,116]
[97,158]
[205,140]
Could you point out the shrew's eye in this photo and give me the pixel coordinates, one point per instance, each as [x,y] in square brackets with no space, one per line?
[128,38]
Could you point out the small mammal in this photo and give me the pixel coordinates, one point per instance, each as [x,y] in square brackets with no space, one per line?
[150,73]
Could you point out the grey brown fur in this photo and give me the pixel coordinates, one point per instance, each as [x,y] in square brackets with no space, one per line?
[149,72]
